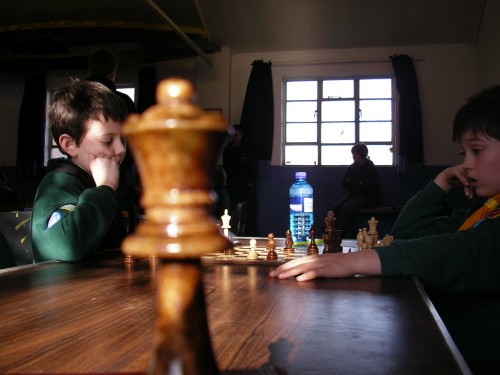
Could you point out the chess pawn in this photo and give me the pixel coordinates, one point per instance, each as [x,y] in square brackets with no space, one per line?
[252,254]
[271,248]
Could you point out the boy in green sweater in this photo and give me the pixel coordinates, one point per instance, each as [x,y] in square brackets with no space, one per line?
[455,254]
[457,258]
[78,209]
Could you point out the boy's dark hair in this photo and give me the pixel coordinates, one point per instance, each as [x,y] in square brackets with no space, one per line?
[102,62]
[78,102]
[481,115]
[360,149]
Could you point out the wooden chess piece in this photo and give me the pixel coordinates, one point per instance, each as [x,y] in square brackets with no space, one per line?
[271,247]
[312,248]
[337,241]
[328,234]
[372,232]
[360,239]
[288,242]
[252,254]
[175,146]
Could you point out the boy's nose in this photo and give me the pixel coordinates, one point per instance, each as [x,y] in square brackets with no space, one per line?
[120,147]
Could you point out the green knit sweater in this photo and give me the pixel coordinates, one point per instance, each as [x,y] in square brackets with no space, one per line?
[429,246]
[72,218]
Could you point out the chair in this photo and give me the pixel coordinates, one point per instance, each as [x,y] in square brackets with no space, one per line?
[15,239]
[239,219]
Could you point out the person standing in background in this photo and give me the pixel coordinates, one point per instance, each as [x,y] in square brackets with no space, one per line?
[103,67]
[241,171]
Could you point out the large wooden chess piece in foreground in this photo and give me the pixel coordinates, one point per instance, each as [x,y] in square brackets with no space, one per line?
[175,145]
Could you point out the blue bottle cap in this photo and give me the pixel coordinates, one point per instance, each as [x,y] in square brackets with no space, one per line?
[300,175]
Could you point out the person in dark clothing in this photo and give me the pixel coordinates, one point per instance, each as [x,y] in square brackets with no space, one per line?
[241,171]
[78,209]
[361,182]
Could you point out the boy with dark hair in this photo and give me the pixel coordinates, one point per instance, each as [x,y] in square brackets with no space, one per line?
[457,253]
[77,209]
[458,257]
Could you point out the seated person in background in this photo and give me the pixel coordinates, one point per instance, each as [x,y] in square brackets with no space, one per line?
[9,199]
[456,254]
[78,209]
[361,182]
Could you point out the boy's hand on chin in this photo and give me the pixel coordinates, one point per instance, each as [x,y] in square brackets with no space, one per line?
[105,170]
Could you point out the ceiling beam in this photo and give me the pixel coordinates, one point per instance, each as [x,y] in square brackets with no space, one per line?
[180,33]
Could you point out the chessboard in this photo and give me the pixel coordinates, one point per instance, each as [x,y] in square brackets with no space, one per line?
[241,254]
[242,248]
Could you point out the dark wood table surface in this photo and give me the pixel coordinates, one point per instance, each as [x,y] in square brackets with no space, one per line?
[98,317]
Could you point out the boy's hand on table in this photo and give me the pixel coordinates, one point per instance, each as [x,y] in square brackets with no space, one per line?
[364,262]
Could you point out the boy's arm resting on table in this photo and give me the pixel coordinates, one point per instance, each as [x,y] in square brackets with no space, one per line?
[77,234]
[464,261]
[337,265]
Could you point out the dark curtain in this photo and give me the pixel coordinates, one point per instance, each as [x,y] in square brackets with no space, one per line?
[31,129]
[257,121]
[146,96]
[257,116]
[410,154]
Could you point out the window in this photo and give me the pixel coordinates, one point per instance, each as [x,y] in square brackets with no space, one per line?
[51,150]
[325,118]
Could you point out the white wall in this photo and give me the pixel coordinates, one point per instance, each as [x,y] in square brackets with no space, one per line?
[446,74]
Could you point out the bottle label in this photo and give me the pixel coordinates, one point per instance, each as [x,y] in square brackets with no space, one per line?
[308,204]
[296,204]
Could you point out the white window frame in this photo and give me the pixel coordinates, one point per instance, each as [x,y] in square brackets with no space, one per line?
[318,143]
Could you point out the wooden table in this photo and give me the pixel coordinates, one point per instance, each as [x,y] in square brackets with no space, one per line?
[98,317]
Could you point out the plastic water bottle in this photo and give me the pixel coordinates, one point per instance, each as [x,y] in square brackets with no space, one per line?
[301,208]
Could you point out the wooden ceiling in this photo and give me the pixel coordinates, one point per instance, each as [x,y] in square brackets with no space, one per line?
[59,34]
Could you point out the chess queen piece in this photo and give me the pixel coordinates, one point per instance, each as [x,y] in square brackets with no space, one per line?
[175,146]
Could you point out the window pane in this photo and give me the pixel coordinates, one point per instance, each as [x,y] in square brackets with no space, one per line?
[370,110]
[336,155]
[380,154]
[301,111]
[337,132]
[342,110]
[129,91]
[301,155]
[55,153]
[301,132]
[375,132]
[375,88]
[302,90]
[338,89]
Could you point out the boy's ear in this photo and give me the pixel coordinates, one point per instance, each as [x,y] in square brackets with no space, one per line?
[68,144]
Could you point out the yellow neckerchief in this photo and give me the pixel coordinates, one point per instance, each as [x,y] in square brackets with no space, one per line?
[481,213]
